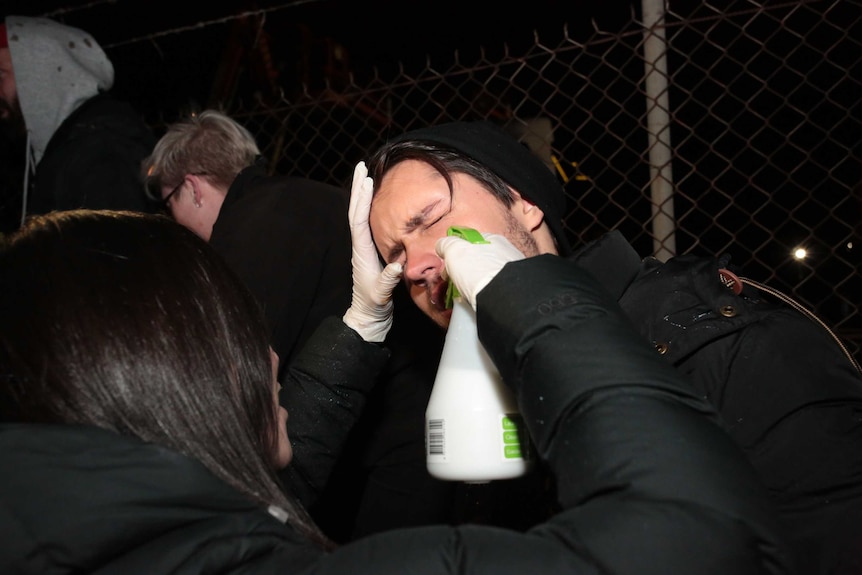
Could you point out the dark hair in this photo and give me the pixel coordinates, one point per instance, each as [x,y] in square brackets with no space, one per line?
[132,323]
[491,155]
[442,158]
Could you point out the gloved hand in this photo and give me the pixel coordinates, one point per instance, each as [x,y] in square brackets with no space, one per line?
[370,312]
[472,266]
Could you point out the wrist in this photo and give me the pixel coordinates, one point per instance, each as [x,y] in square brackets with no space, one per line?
[371,330]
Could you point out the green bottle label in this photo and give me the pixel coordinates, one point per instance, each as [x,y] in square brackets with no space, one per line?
[514,437]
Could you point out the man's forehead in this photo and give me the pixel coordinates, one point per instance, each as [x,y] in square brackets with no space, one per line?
[409,199]
[409,174]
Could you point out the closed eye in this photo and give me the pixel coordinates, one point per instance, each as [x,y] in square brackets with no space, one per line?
[435,222]
[418,222]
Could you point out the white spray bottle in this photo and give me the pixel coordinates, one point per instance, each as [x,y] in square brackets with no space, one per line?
[473,429]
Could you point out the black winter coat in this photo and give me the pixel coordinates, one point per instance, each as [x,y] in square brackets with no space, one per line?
[93,161]
[648,481]
[785,390]
[288,239]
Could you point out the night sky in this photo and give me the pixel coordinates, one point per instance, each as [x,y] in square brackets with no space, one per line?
[166,52]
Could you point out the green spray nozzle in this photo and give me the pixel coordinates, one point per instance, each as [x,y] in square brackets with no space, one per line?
[472,236]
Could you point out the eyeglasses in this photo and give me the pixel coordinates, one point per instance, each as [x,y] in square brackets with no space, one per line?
[167,199]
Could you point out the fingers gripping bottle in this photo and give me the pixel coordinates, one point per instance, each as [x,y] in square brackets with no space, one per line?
[473,430]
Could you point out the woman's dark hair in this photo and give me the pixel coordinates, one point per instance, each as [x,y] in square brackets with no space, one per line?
[130,322]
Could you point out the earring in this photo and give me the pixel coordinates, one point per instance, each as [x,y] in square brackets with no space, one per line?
[197,204]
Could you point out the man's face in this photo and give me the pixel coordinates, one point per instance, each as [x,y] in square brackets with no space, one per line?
[413,208]
[11,117]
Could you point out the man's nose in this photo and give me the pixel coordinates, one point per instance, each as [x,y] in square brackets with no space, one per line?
[422,266]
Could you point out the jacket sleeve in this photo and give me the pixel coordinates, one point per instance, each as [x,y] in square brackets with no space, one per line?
[324,392]
[641,462]
[647,480]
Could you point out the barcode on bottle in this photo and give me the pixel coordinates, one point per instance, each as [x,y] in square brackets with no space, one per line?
[436,437]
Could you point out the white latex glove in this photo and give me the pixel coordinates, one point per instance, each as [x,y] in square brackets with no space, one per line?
[472,266]
[370,312]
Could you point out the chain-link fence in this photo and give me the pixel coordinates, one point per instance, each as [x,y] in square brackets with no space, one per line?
[732,129]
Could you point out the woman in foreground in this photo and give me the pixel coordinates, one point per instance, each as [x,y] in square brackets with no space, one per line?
[141,429]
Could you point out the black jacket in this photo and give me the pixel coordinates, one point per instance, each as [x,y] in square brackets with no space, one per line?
[93,161]
[288,239]
[648,482]
[785,390]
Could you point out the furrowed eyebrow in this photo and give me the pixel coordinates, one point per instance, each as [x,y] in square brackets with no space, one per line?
[416,221]
[410,226]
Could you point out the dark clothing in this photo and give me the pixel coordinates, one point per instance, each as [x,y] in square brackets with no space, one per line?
[786,392]
[93,501]
[93,161]
[381,481]
[648,480]
[288,239]
[13,152]
[325,390]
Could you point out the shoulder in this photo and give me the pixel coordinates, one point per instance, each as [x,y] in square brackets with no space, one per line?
[297,197]
[315,189]
[104,110]
[105,123]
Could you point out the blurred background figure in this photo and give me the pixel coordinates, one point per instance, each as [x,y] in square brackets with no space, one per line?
[78,146]
[287,238]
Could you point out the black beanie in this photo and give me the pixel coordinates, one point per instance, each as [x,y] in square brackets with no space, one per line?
[511,160]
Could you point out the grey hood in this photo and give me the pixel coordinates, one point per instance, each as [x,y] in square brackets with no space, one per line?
[57,68]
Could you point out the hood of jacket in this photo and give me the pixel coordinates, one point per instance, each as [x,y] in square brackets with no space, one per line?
[57,68]
[79,499]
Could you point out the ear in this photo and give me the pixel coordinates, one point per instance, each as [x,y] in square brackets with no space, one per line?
[200,189]
[527,212]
